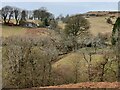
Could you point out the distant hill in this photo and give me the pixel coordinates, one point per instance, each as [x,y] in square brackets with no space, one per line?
[102,13]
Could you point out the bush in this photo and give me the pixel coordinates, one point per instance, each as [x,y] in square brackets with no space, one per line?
[22,22]
[27,62]
[109,21]
[41,24]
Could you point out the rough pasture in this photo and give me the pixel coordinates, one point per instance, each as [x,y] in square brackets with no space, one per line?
[38,31]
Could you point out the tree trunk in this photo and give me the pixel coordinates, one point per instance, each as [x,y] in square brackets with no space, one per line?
[118,52]
[49,73]
[16,21]
[5,19]
[89,67]
[10,17]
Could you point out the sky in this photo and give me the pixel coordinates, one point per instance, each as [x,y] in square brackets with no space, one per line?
[65,8]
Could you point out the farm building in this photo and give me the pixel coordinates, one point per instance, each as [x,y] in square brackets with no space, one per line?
[29,25]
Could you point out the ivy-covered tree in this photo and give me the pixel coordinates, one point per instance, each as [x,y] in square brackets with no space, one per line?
[116,41]
[115,31]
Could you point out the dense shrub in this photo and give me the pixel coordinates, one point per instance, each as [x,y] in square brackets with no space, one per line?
[40,24]
[27,61]
[109,21]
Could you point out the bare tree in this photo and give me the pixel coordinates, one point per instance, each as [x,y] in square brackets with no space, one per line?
[89,67]
[102,67]
[17,15]
[7,11]
[76,26]
[76,70]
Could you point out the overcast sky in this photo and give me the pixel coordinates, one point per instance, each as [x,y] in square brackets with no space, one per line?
[66,7]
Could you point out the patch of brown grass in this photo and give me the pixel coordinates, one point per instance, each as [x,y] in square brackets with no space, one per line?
[89,85]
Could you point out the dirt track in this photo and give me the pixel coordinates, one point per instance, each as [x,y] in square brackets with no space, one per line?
[82,86]
[89,85]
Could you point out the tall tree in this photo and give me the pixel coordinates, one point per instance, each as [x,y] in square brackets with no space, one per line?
[7,10]
[23,15]
[89,67]
[17,15]
[115,31]
[43,13]
[10,15]
[36,14]
[118,46]
[116,41]
[76,25]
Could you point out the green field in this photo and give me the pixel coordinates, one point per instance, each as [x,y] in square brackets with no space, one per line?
[97,25]
[12,30]
[66,65]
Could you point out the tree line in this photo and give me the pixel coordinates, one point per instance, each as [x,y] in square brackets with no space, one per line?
[9,12]
[19,15]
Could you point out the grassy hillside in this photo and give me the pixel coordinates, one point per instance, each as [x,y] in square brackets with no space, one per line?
[67,65]
[15,30]
[99,25]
